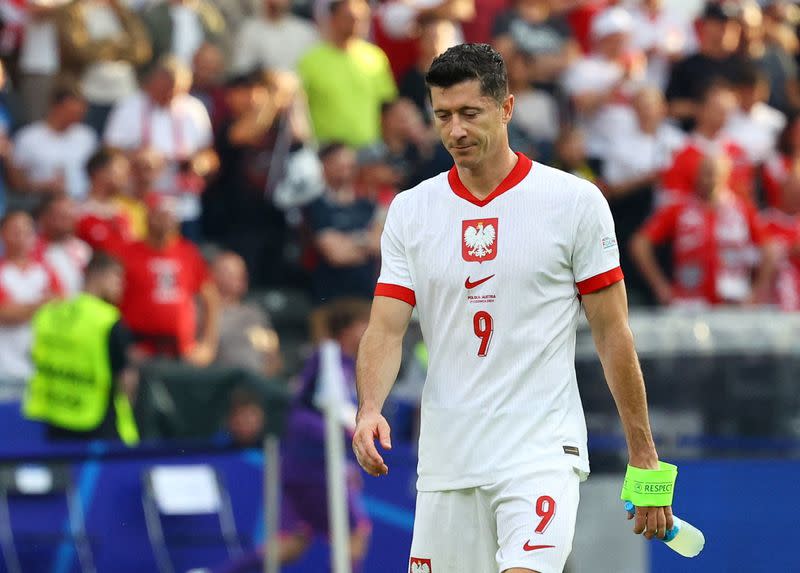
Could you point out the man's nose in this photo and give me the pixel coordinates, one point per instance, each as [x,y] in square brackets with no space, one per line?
[457,130]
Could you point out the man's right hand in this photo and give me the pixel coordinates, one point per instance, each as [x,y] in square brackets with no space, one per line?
[370,427]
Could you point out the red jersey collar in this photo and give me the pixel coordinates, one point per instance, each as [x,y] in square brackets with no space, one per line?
[514,178]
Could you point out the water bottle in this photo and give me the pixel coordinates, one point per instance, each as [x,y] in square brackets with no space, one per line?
[684,538]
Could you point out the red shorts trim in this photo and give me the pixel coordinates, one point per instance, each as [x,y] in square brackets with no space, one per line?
[396,291]
[600,281]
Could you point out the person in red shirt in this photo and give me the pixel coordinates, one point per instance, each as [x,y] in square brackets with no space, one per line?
[778,167]
[782,226]
[716,241]
[103,224]
[163,275]
[715,106]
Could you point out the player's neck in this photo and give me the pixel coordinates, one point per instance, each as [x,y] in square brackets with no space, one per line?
[486,177]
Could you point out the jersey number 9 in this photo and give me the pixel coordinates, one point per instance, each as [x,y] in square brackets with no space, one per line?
[483,326]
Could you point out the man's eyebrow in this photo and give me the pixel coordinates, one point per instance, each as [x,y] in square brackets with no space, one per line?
[462,108]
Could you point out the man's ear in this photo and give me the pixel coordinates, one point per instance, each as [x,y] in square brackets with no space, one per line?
[507,108]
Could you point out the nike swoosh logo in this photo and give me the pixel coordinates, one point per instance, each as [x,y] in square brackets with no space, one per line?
[528,547]
[470,285]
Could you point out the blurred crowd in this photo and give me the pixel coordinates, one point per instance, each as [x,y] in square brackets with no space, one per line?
[219,147]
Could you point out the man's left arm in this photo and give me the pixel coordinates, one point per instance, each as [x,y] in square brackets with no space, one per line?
[205,350]
[607,312]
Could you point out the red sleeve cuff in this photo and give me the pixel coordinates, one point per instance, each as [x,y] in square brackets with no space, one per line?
[600,281]
[396,291]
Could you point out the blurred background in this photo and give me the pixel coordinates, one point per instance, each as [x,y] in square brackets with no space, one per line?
[192,195]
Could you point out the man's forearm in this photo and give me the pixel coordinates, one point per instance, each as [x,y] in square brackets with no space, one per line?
[624,377]
[378,364]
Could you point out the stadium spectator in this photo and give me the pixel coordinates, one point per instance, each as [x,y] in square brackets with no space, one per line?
[50,155]
[104,43]
[208,76]
[781,163]
[275,40]
[782,227]
[345,77]
[163,275]
[405,144]
[39,56]
[601,84]
[345,237]
[253,145]
[304,514]
[716,59]
[713,110]
[772,58]
[630,179]
[435,36]
[26,283]
[180,27]
[85,338]
[246,336]
[716,240]
[754,126]
[571,154]
[164,117]
[535,124]
[58,246]
[531,27]
[665,35]
[102,222]
[147,165]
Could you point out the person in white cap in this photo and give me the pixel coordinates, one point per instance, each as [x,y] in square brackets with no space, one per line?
[602,84]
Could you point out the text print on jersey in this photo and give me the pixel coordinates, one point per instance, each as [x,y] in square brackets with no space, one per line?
[479,240]
[469,285]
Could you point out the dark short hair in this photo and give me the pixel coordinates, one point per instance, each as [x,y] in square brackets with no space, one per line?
[749,76]
[343,313]
[47,203]
[101,159]
[467,62]
[711,86]
[101,262]
[66,90]
[330,148]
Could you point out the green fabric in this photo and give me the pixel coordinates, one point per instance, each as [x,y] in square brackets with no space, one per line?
[72,382]
[650,488]
[345,90]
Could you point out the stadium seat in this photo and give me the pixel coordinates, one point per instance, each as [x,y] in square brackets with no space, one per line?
[28,494]
[190,496]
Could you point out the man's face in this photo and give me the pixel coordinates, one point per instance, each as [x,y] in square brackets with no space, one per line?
[712,175]
[162,219]
[349,18]
[471,125]
[340,168]
[19,235]
[276,7]
[60,219]
[112,284]
[73,110]
[230,275]
[716,108]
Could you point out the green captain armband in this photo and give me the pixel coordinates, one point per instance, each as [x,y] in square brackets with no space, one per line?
[650,488]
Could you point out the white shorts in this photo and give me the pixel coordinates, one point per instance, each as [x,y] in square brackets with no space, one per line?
[526,521]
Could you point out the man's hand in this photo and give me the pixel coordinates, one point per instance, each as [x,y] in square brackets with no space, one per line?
[368,428]
[652,521]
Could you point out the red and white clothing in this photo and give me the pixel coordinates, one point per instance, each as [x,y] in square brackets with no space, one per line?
[784,230]
[756,131]
[160,286]
[103,226]
[774,174]
[26,284]
[715,247]
[67,259]
[681,178]
[496,283]
[178,132]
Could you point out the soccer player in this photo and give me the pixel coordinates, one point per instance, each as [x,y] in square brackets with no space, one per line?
[497,255]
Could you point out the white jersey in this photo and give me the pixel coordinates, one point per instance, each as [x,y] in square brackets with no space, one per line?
[497,285]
